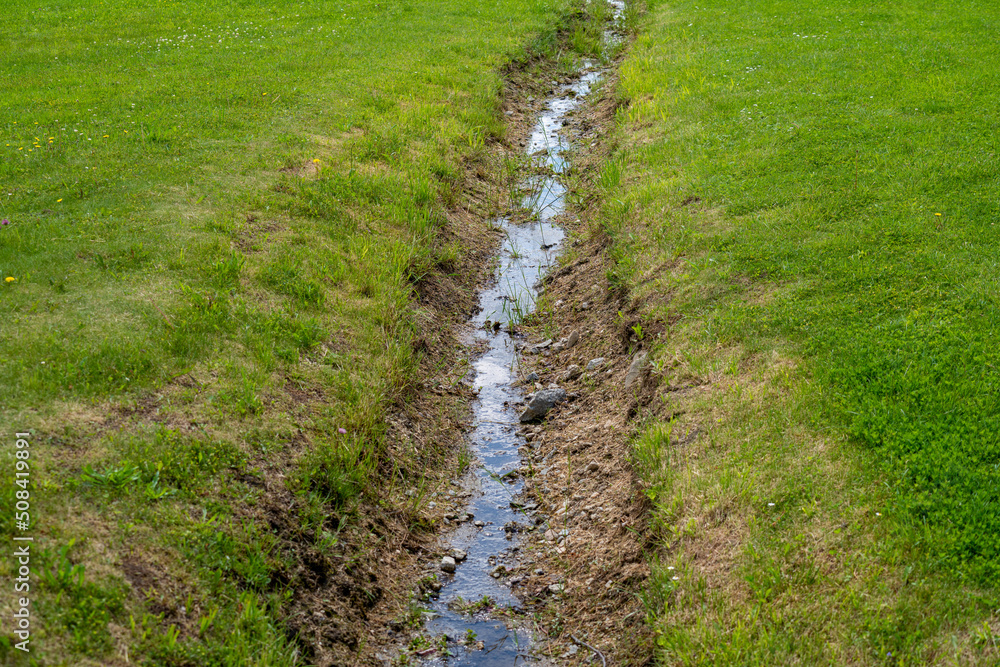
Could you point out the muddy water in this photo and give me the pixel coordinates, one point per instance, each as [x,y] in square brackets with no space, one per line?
[527,252]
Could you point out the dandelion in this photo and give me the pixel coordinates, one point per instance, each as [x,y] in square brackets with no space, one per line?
[938,214]
[10,279]
[315,160]
[58,200]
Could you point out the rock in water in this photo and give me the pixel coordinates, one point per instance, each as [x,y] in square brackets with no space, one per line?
[541,403]
[639,362]
[448,564]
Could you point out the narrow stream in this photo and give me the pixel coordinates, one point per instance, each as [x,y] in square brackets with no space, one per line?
[527,252]
[489,539]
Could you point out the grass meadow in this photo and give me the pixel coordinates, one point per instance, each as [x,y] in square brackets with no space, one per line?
[809,194]
[203,205]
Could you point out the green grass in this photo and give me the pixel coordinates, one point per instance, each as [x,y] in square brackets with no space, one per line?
[813,189]
[206,204]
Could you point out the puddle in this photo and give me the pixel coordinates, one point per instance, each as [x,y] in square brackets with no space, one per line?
[528,251]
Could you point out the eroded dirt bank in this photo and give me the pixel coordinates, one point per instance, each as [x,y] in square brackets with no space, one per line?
[576,563]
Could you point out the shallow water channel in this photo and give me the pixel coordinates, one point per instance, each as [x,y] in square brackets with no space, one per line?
[528,251]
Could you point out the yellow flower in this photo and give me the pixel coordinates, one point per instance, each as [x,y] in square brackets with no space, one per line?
[11,279]
[58,200]
[316,161]
[938,214]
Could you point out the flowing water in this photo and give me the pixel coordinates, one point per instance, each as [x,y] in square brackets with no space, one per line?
[528,251]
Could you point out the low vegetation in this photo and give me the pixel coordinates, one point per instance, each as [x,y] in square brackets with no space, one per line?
[806,195]
[217,220]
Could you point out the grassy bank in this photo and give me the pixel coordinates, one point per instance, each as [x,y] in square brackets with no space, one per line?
[218,224]
[807,195]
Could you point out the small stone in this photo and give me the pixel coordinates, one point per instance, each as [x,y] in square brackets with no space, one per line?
[594,364]
[541,403]
[479,524]
[532,377]
[555,589]
[551,535]
[573,339]
[459,555]
[593,466]
[448,564]
[539,571]
[584,306]
[638,365]
[572,373]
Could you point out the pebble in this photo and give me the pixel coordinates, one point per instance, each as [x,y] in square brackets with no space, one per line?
[479,524]
[556,588]
[459,555]
[448,564]
[535,349]
[593,466]
[594,364]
